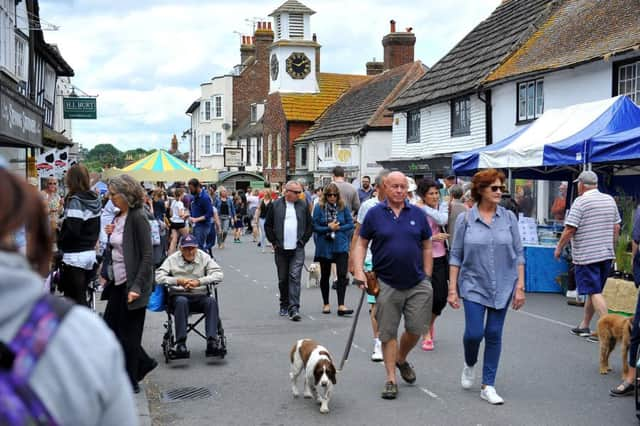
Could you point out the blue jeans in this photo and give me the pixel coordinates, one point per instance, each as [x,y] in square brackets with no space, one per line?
[475,330]
[201,232]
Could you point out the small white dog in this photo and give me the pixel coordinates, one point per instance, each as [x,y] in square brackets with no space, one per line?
[314,275]
[319,372]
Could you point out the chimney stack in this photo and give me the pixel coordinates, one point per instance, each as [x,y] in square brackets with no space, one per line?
[398,47]
[174,145]
[263,38]
[375,67]
[247,49]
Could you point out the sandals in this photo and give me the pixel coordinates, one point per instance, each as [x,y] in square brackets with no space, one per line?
[623,389]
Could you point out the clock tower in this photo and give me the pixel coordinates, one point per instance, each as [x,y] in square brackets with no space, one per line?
[294,54]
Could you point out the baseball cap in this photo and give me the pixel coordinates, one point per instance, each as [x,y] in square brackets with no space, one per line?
[188,241]
[449,173]
[587,178]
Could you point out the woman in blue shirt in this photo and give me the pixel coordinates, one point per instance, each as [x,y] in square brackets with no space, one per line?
[487,261]
[332,224]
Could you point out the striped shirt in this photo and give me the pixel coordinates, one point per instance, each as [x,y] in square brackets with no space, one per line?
[594,214]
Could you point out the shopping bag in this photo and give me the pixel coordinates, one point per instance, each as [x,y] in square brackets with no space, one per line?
[157,299]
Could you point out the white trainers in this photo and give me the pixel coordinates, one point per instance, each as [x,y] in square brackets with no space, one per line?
[468,377]
[376,355]
[490,395]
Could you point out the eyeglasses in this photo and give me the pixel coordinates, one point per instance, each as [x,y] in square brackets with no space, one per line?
[295,192]
[52,183]
[495,188]
[333,194]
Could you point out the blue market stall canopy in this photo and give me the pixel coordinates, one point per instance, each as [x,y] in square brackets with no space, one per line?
[605,131]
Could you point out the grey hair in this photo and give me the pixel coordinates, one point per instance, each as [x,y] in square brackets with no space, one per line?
[456,191]
[467,195]
[287,185]
[381,176]
[129,188]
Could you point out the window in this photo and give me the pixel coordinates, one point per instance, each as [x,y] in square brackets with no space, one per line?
[217,110]
[249,143]
[49,83]
[461,116]
[254,113]
[7,34]
[629,81]
[205,111]
[413,126]
[296,25]
[303,156]
[217,144]
[530,100]
[269,151]
[328,150]
[206,148]
[22,59]
[259,152]
[278,151]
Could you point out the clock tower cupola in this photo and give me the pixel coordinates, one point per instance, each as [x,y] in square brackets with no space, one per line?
[294,54]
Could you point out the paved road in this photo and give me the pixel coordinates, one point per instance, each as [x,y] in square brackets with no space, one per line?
[546,375]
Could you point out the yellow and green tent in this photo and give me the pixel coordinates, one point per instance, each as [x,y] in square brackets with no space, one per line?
[161,166]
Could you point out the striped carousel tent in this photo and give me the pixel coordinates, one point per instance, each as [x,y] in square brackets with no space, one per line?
[163,167]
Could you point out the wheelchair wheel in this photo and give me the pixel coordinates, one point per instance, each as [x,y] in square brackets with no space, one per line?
[222,340]
[167,341]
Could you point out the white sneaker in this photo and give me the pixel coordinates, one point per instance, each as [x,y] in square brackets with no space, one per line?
[468,377]
[490,395]
[376,356]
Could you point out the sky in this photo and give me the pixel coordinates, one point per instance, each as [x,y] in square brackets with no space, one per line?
[146,59]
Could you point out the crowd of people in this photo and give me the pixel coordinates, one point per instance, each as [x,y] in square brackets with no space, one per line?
[415,246]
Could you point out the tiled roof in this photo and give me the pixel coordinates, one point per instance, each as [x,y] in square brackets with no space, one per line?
[290,6]
[464,68]
[364,105]
[309,106]
[579,31]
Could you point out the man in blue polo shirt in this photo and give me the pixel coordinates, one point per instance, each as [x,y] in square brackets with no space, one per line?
[201,213]
[401,247]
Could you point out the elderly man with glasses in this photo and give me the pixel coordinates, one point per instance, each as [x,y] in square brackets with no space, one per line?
[288,227]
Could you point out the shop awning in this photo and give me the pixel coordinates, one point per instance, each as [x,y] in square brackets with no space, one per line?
[163,167]
[596,132]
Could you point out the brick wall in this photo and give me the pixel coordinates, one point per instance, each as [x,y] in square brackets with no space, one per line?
[295,130]
[274,122]
[398,49]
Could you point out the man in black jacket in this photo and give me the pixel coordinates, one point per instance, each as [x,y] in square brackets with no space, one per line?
[288,227]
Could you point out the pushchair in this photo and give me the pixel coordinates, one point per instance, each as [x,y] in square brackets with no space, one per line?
[169,340]
[55,277]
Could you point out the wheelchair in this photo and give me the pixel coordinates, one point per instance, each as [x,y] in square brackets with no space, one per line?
[169,340]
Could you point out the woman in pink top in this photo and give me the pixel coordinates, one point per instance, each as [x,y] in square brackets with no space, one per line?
[438,216]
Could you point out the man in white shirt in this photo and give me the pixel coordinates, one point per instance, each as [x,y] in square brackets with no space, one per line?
[288,227]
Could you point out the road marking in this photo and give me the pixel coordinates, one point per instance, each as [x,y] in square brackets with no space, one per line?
[255,281]
[428,392]
[540,317]
[335,333]
[311,318]
[246,275]
[359,348]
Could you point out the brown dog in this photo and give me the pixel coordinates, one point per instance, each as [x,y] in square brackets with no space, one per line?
[612,329]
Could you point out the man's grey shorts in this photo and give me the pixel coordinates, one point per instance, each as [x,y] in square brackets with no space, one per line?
[415,303]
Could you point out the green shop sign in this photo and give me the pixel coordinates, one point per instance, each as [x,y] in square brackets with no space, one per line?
[79,108]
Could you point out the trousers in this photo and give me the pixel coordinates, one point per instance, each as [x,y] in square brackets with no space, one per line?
[475,329]
[342,264]
[289,265]
[184,305]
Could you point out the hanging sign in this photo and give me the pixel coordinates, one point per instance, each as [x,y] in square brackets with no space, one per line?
[79,108]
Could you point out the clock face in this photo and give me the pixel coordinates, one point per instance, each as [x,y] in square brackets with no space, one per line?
[275,67]
[298,65]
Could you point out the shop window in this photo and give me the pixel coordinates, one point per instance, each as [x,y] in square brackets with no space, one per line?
[530,103]
[413,126]
[461,116]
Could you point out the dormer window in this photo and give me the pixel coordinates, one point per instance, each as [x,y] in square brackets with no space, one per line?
[296,26]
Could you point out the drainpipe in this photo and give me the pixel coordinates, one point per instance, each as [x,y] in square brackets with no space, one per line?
[488,116]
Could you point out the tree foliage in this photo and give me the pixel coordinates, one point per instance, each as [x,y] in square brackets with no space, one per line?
[106,155]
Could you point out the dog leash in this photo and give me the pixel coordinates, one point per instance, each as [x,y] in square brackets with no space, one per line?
[352,333]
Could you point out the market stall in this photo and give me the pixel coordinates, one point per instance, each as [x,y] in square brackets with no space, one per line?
[161,166]
[603,136]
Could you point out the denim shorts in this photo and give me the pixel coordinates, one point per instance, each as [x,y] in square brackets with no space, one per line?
[591,278]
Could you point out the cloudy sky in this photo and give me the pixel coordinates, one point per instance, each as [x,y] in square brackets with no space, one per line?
[145,59]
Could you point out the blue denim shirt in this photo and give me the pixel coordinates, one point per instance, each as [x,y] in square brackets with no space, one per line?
[488,257]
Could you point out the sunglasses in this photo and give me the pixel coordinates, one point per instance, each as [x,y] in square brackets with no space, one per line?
[52,183]
[333,194]
[295,192]
[495,188]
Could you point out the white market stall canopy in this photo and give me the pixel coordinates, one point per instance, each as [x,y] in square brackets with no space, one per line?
[605,131]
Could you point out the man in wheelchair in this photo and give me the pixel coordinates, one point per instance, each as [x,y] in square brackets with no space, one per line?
[187,274]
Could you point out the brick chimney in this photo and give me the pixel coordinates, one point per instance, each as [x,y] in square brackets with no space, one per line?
[315,40]
[398,47]
[247,49]
[375,67]
[174,145]
[263,38]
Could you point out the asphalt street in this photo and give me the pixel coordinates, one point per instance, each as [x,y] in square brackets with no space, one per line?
[546,375]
